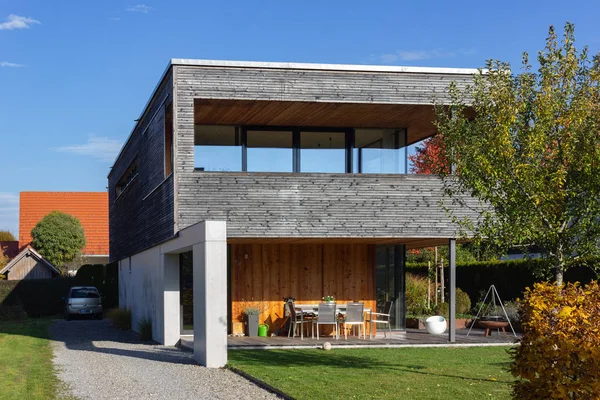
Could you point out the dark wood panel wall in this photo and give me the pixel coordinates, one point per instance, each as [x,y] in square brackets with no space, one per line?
[266,273]
[142,215]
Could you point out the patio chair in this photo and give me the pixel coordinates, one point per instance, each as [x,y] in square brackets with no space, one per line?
[296,318]
[381,318]
[355,316]
[327,315]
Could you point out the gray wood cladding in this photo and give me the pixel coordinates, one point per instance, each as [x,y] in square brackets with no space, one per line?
[269,205]
[143,216]
[29,268]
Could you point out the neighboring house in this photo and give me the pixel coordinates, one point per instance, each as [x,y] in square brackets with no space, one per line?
[276,180]
[29,264]
[91,208]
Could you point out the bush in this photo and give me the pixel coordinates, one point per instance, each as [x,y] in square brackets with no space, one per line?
[6,236]
[559,352]
[463,302]
[11,313]
[145,328]
[37,297]
[416,295]
[443,309]
[120,318]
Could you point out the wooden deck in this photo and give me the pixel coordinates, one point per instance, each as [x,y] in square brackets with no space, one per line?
[409,338]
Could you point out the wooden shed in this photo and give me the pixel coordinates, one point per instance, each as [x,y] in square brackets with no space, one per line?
[29,264]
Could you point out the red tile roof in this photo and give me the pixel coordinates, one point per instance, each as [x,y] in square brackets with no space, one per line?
[91,208]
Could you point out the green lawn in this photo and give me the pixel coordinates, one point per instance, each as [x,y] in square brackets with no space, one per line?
[26,368]
[409,373]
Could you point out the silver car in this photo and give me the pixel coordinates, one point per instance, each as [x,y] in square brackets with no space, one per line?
[83,300]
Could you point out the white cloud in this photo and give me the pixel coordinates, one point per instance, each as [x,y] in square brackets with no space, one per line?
[10,65]
[417,55]
[117,19]
[103,148]
[17,22]
[9,212]
[141,8]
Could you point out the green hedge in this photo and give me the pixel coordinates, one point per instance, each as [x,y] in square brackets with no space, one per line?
[510,277]
[37,297]
[43,297]
[103,277]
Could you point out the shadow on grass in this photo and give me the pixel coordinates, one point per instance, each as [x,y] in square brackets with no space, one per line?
[340,360]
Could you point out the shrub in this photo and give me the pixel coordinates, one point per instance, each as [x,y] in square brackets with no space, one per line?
[120,318]
[13,312]
[59,237]
[463,302]
[443,309]
[37,297]
[559,352]
[416,295]
[145,329]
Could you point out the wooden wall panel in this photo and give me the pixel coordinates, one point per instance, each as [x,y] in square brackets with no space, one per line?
[266,273]
[29,268]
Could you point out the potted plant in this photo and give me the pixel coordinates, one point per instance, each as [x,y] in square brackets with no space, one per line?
[328,299]
[251,314]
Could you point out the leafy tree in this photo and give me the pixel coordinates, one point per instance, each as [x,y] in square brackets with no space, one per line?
[531,153]
[6,236]
[59,237]
[430,157]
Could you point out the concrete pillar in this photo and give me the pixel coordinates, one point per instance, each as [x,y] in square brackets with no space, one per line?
[171,299]
[210,295]
[452,289]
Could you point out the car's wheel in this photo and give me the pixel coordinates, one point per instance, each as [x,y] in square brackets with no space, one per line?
[99,316]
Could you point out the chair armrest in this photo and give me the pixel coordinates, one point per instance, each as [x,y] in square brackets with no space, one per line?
[376,313]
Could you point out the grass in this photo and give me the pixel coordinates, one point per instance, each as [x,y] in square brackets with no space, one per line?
[26,360]
[410,373]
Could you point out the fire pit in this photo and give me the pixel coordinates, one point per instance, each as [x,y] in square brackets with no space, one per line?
[489,325]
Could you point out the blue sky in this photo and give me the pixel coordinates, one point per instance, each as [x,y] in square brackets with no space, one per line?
[75,74]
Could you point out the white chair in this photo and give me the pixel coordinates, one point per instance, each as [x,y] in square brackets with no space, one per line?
[381,318]
[327,316]
[355,316]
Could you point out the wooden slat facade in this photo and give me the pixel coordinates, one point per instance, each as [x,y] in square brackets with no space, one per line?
[29,268]
[270,272]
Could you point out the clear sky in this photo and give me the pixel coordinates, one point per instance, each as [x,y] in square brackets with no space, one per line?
[75,74]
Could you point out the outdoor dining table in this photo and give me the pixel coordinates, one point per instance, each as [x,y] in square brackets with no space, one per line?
[341,308]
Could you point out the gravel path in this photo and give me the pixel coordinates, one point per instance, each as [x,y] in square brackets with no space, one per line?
[97,361]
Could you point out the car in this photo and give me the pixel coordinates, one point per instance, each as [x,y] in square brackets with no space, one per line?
[83,301]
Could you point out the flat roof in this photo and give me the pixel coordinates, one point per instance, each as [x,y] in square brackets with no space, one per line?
[321,67]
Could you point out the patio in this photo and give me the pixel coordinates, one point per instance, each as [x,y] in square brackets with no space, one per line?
[409,338]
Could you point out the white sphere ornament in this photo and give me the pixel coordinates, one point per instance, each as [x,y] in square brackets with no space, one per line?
[326,346]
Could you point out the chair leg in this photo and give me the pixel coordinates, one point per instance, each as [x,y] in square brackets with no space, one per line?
[345,331]
[317,331]
[390,329]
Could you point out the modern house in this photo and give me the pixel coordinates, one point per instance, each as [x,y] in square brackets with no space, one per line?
[91,208]
[273,180]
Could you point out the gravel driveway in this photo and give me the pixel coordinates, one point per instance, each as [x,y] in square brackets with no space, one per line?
[97,361]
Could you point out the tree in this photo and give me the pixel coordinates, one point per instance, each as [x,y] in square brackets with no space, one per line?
[531,152]
[59,237]
[430,157]
[6,236]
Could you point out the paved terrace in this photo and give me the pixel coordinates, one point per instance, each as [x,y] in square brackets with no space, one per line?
[410,338]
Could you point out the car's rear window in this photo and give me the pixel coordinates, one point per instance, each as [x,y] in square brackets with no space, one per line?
[84,294]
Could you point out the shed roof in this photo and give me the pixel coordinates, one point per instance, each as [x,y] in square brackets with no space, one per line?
[29,252]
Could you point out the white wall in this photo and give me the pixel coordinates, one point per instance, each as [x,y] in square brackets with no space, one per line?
[141,289]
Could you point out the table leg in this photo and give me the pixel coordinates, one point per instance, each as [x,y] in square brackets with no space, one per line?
[371,325]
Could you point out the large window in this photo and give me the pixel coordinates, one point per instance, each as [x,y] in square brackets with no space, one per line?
[379,151]
[323,152]
[298,149]
[217,148]
[270,151]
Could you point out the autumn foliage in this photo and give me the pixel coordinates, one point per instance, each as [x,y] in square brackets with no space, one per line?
[560,351]
[430,157]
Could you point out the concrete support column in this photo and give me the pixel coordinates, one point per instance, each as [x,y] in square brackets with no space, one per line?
[171,299]
[210,295]
[452,290]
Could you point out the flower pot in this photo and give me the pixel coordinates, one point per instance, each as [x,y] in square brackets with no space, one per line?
[436,325]
[252,325]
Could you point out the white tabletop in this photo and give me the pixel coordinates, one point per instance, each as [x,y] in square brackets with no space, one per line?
[313,307]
